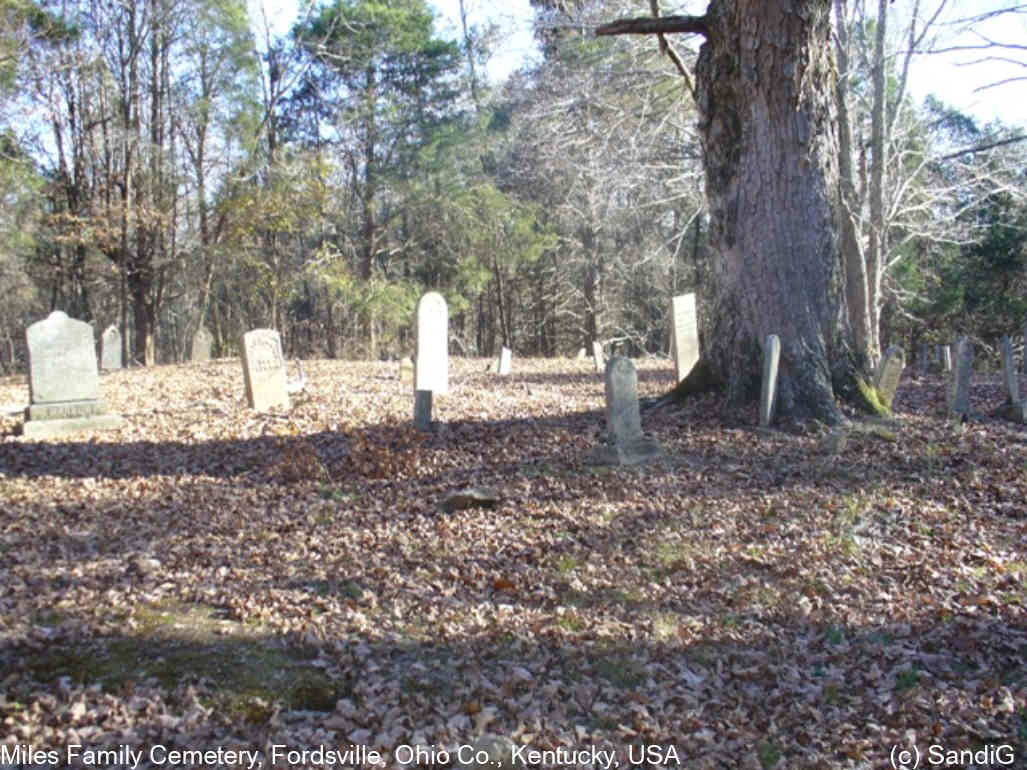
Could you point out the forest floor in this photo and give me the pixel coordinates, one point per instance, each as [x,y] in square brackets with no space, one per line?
[213,579]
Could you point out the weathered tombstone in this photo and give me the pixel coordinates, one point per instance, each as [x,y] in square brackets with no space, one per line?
[431,367]
[263,367]
[946,358]
[203,341]
[422,409]
[64,384]
[889,373]
[625,443]
[959,381]
[110,349]
[597,356]
[1009,376]
[505,356]
[768,389]
[406,371]
[685,340]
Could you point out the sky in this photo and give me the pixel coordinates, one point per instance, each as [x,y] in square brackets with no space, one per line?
[951,76]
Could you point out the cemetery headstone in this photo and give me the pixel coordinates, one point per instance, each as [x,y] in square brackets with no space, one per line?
[406,371]
[889,373]
[505,356]
[597,356]
[685,340]
[64,383]
[768,389]
[263,368]
[582,354]
[110,349]
[959,381]
[946,358]
[625,443]
[1009,376]
[431,367]
[422,409]
[203,341]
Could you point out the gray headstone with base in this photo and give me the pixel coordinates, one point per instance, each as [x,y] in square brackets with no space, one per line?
[625,443]
[1009,376]
[685,339]
[959,381]
[64,384]
[768,390]
[505,356]
[431,362]
[110,349]
[203,340]
[263,368]
[889,373]
[597,356]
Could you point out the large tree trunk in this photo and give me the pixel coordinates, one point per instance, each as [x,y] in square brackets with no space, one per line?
[765,91]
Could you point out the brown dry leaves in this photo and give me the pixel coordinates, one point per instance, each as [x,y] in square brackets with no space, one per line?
[754,602]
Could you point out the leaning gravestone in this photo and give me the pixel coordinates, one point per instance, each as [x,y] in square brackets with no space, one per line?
[597,356]
[263,367]
[889,373]
[110,349]
[685,340]
[768,390]
[959,382]
[203,340]
[625,443]
[64,384]
[505,355]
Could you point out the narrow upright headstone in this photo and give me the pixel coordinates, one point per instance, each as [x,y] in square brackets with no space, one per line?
[505,356]
[263,368]
[1009,376]
[959,381]
[422,409]
[110,349]
[203,340]
[431,362]
[685,340]
[406,371]
[64,383]
[597,356]
[625,443]
[768,389]
[946,358]
[582,354]
[889,373]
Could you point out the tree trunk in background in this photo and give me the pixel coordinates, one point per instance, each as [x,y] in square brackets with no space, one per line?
[765,90]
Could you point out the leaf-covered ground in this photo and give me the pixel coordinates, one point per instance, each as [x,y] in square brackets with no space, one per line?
[214,579]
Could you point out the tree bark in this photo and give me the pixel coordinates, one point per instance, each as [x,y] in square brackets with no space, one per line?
[765,93]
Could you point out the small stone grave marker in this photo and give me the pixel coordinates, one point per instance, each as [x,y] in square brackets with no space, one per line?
[946,358]
[889,373]
[264,370]
[625,443]
[203,341]
[685,339]
[1009,376]
[406,371]
[768,389]
[959,382]
[431,368]
[64,383]
[505,356]
[597,356]
[110,349]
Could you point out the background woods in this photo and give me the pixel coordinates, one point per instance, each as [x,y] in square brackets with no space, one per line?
[167,164]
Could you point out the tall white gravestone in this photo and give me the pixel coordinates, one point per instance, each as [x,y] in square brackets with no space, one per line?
[110,349]
[263,367]
[64,384]
[768,389]
[597,356]
[203,340]
[685,340]
[431,363]
[505,356]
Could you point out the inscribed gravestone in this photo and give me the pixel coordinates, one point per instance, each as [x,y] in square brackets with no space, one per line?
[64,384]
[110,349]
[685,340]
[889,373]
[1009,376]
[597,356]
[203,340]
[625,442]
[768,391]
[959,381]
[431,368]
[263,367]
[505,355]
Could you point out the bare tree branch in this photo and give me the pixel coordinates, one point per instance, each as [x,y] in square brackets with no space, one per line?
[663,25]
[671,52]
